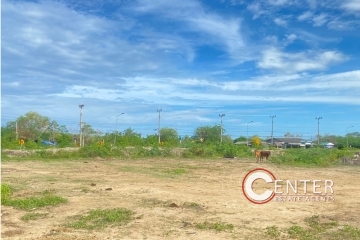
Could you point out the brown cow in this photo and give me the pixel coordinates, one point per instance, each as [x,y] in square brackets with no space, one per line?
[264,154]
[258,155]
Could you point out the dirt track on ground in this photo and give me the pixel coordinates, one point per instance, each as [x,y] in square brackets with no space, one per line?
[149,187]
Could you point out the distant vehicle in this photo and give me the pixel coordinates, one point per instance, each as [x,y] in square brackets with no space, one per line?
[48,143]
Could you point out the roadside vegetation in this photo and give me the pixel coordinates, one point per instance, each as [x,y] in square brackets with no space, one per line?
[35,134]
[310,157]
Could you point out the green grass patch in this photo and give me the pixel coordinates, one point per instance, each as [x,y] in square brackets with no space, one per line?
[36,202]
[6,192]
[46,199]
[317,226]
[99,218]
[316,229]
[33,216]
[346,232]
[218,226]
[273,232]
[300,233]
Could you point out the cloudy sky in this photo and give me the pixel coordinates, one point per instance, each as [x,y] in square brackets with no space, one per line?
[249,60]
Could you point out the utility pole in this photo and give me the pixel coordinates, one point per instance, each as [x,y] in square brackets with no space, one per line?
[16,131]
[247,133]
[159,110]
[116,127]
[272,129]
[318,119]
[221,134]
[81,143]
[347,137]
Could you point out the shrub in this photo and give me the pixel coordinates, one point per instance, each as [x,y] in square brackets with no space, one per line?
[314,156]
[95,150]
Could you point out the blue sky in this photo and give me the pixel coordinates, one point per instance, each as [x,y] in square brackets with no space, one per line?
[193,59]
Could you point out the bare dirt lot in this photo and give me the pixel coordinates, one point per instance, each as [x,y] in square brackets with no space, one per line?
[169,198]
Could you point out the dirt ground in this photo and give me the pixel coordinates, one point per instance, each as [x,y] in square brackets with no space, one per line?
[168,196]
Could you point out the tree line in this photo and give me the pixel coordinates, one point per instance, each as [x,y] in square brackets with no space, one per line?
[33,129]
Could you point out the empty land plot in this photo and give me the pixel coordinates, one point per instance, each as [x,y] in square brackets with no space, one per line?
[171,199]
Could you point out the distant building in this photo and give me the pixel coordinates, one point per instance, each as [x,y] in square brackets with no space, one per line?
[289,142]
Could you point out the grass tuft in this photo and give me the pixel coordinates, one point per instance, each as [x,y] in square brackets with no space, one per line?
[317,228]
[6,192]
[48,199]
[346,232]
[218,226]
[37,202]
[33,216]
[101,218]
[273,232]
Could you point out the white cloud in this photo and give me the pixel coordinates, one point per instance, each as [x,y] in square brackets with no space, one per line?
[290,38]
[320,20]
[317,20]
[256,9]
[315,39]
[312,3]
[305,16]
[279,2]
[299,62]
[189,92]
[11,84]
[343,25]
[338,81]
[77,91]
[217,29]
[351,5]
[280,22]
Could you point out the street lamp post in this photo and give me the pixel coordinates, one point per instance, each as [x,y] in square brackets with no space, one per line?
[221,116]
[272,129]
[347,137]
[80,137]
[318,119]
[247,133]
[159,111]
[116,127]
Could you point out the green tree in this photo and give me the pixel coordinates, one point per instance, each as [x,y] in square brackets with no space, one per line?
[129,138]
[8,137]
[32,125]
[150,140]
[208,134]
[240,139]
[88,133]
[169,136]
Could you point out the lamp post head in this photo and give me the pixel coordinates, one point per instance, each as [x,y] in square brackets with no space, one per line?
[81,105]
[349,127]
[119,115]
